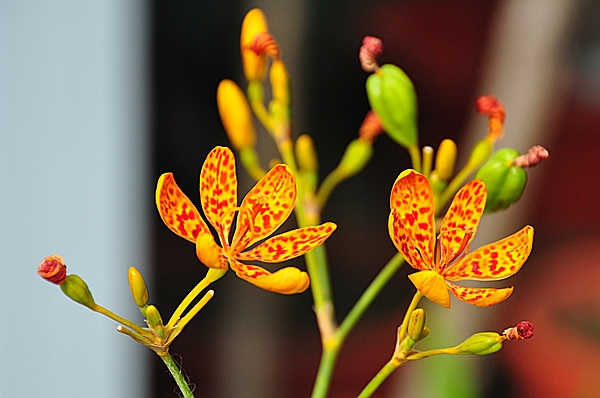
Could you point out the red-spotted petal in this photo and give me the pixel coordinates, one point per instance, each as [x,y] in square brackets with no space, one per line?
[412,202]
[177,211]
[290,244]
[431,285]
[218,189]
[269,204]
[462,217]
[287,280]
[404,244]
[480,297]
[495,261]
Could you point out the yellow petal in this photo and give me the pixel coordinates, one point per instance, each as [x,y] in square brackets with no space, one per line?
[462,216]
[290,244]
[431,285]
[209,253]
[287,280]
[480,297]
[495,261]
[218,189]
[177,211]
[254,64]
[412,202]
[269,204]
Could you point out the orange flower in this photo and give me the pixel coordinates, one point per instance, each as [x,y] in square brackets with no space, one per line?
[262,211]
[412,229]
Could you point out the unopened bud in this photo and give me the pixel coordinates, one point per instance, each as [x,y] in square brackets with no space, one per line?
[53,269]
[77,290]
[371,49]
[392,96]
[155,320]
[253,62]
[306,155]
[416,324]
[355,158]
[523,331]
[138,288]
[280,83]
[505,181]
[235,114]
[480,344]
[445,159]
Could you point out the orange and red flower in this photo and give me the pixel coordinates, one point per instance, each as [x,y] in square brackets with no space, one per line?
[261,212]
[444,260]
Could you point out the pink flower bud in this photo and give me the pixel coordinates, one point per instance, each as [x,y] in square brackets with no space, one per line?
[371,49]
[53,269]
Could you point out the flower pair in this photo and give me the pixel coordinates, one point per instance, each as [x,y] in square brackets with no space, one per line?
[444,260]
[261,212]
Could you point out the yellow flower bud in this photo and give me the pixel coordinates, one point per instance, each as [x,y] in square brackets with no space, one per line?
[77,290]
[416,324]
[155,320]
[445,159]
[280,83]
[254,63]
[235,114]
[138,288]
[306,155]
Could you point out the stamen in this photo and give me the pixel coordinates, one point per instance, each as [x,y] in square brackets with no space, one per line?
[446,262]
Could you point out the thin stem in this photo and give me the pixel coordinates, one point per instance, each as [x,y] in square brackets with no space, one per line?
[411,307]
[380,377]
[415,157]
[176,373]
[101,310]
[330,182]
[326,366]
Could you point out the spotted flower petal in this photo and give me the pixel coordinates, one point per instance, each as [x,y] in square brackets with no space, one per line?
[431,285]
[270,203]
[287,280]
[411,202]
[403,243]
[495,261]
[462,218]
[218,189]
[177,211]
[290,244]
[480,297]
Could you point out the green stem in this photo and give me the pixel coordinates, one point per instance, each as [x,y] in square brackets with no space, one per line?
[176,373]
[411,307]
[415,157]
[326,366]
[379,378]
[330,182]
[101,310]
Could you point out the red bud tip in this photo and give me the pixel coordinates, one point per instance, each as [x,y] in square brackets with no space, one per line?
[371,127]
[532,158]
[371,49]
[491,106]
[264,43]
[53,269]
[523,330]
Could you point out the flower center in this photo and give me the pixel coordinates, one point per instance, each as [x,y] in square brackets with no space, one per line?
[446,257]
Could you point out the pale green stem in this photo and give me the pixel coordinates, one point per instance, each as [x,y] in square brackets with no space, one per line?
[379,378]
[411,307]
[101,310]
[427,160]
[176,373]
[330,182]
[415,157]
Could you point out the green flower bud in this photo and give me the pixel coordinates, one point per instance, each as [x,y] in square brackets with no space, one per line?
[504,180]
[155,320]
[355,158]
[306,153]
[138,288]
[76,289]
[480,344]
[392,96]
[416,324]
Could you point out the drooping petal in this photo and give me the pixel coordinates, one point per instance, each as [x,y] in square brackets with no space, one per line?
[269,204]
[495,261]
[209,253]
[289,280]
[218,189]
[404,244]
[431,285]
[480,297]
[412,200]
[290,244]
[177,211]
[462,217]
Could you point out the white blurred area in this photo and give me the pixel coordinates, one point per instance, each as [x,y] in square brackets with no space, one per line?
[74,158]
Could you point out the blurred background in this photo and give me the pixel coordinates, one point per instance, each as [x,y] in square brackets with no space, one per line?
[98,99]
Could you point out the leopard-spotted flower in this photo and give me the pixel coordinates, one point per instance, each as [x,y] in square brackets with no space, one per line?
[262,211]
[444,260]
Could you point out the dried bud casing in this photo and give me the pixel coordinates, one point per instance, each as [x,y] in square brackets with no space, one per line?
[77,290]
[480,344]
[393,98]
[235,114]
[53,269]
[138,288]
[505,181]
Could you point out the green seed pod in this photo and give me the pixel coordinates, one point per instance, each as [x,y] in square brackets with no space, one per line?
[480,344]
[392,96]
[355,158]
[77,290]
[504,181]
